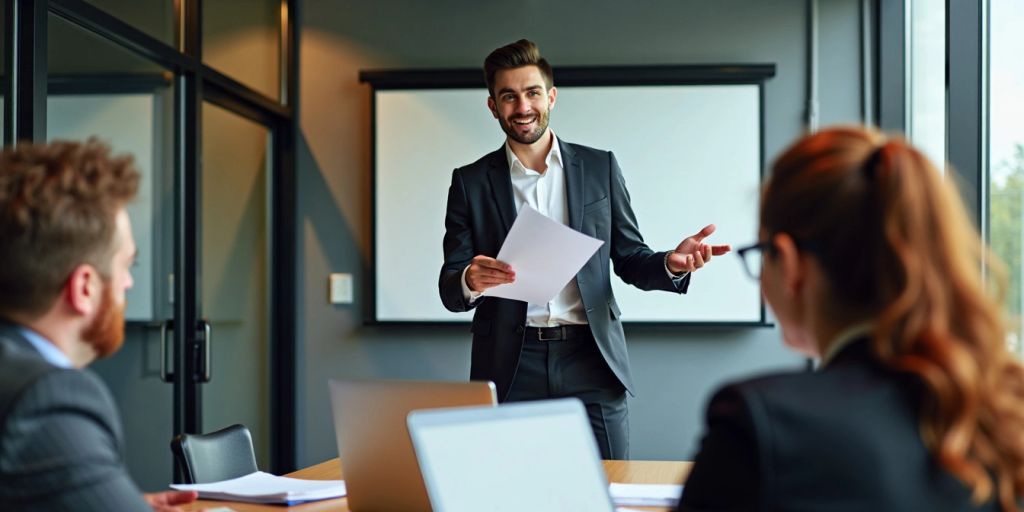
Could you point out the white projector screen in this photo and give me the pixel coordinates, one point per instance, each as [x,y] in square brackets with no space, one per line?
[691,155]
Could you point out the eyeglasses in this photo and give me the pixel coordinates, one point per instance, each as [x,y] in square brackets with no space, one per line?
[751,256]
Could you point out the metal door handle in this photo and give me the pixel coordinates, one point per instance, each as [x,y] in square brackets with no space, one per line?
[207,341]
[167,325]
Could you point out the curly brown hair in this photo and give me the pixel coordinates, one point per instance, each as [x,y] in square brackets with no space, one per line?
[58,203]
[896,245]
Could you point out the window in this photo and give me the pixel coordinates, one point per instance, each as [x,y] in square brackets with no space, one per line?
[926,78]
[245,44]
[1006,151]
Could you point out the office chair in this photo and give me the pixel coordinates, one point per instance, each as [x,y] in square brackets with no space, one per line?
[220,455]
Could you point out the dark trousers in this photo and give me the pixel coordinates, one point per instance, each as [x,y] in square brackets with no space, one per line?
[576,368]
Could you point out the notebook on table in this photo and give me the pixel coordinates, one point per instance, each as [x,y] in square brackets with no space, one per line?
[260,487]
[377,457]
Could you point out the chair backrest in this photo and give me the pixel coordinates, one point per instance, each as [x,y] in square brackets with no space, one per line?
[220,455]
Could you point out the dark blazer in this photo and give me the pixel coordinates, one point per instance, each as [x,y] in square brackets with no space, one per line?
[481,210]
[60,436]
[842,439]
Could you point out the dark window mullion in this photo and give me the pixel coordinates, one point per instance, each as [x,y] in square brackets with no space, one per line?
[283,259]
[227,86]
[25,79]
[891,62]
[966,92]
[105,25]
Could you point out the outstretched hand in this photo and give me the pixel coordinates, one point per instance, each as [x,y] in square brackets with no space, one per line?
[692,253]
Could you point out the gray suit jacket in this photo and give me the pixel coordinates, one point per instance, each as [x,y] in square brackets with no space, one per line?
[60,436]
[481,210]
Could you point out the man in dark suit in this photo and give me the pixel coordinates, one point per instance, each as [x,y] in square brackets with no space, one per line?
[67,251]
[573,345]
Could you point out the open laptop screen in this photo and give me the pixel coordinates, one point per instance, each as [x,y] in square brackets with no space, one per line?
[377,457]
[538,456]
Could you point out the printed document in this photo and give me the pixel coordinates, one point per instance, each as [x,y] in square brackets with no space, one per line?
[260,487]
[544,254]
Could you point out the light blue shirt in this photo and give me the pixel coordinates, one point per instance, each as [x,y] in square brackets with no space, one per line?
[48,350]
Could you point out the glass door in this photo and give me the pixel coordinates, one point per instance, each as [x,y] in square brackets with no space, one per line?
[99,89]
[199,354]
[234,275]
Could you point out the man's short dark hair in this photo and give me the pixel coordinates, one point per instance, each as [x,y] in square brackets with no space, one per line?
[516,55]
[58,207]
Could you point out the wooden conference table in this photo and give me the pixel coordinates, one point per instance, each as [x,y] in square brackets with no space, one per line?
[623,471]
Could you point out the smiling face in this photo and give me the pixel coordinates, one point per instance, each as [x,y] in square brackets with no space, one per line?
[522,103]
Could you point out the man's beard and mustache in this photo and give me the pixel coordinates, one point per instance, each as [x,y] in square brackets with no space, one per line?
[509,127]
[106,332]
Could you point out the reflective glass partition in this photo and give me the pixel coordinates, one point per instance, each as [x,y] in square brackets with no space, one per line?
[154,17]
[3,83]
[1006,150]
[99,89]
[926,78]
[235,270]
[245,43]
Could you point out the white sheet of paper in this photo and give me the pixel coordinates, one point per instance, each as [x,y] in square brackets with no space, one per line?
[260,487]
[544,254]
[645,495]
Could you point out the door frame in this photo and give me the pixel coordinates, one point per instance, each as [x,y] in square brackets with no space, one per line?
[25,80]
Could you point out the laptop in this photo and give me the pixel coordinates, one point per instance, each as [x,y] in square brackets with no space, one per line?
[377,458]
[539,456]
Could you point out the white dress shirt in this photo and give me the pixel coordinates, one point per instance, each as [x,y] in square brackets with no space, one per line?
[546,193]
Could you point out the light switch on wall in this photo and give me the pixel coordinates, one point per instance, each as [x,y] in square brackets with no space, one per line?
[341,289]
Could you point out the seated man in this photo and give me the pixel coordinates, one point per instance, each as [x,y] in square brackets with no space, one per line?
[67,250]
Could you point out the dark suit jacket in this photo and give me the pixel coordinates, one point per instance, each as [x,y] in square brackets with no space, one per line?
[60,436]
[842,439]
[481,210]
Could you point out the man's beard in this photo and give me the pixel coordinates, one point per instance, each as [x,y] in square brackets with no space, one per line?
[106,332]
[509,128]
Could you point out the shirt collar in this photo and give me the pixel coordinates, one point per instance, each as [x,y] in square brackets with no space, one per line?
[554,154]
[46,348]
[845,337]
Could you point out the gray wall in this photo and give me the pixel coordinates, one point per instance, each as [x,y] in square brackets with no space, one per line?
[675,369]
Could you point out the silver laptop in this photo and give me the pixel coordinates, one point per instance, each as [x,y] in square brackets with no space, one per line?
[377,458]
[538,456]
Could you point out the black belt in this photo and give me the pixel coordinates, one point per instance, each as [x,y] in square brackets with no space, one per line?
[557,333]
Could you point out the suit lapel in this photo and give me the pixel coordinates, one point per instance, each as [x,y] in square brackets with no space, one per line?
[573,169]
[501,186]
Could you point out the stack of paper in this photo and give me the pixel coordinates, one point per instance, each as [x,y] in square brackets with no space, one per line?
[645,495]
[260,487]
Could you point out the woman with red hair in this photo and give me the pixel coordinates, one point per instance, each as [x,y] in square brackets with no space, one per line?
[869,262]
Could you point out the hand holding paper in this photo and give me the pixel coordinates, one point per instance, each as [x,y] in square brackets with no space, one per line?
[544,255]
[486,272]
